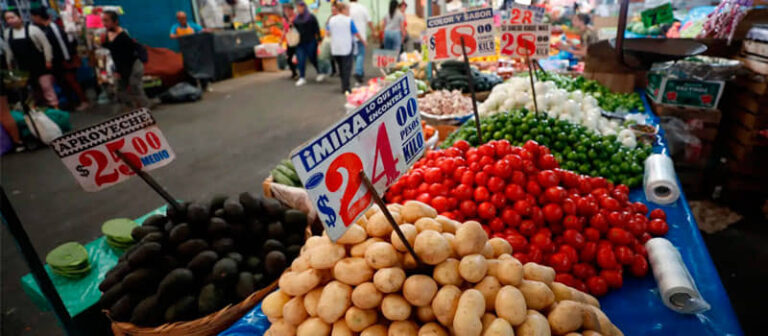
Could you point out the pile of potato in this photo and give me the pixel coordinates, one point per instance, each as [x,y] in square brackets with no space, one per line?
[368,284]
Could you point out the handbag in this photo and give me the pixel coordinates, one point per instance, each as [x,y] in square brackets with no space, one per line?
[41,126]
[292,37]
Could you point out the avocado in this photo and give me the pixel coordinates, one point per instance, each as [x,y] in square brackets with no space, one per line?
[237,257]
[177,215]
[178,282]
[109,297]
[272,245]
[256,226]
[145,253]
[141,231]
[245,285]
[233,210]
[218,227]
[168,227]
[275,263]
[179,234]
[211,299]
[273,208]
[222,246]
[203,262]
[295,239]
[114,276]
[140,280]
[167,263]
[295,219]
[191,247]
[197,214]
[237,231]
[293,251]
[251,204]
[184,309]
[253,263]
[148,312]
[275,230]
[157,221]
[127,253]
[157,237]
[258,280]
[225,271]
[122,308]
[217,202]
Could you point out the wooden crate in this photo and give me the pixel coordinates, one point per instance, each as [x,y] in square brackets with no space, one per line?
[757,87]
[748,119]
[708,116]
[750,102]
[243,68]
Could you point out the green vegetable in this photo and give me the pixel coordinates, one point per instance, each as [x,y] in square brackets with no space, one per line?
[69,260]
[607,99]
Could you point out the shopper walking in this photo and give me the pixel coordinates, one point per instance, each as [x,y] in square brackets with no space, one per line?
[289,14]
[28,48]
[362,19]
[309,34]
[125,54]
[65,58]
[342,30]
[394,27]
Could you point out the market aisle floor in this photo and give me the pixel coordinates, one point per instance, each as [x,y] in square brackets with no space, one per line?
[226,143]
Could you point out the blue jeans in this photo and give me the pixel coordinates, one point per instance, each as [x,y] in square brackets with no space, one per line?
[360,59]
[306,52]
[393,40]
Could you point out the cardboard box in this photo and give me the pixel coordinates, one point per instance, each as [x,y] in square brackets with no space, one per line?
[269,64]
[243,68]
[707,116]
[684,92]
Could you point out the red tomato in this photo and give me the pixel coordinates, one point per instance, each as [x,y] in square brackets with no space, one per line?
[617,219]
[522,257]
[639,248]
[543,150]
[475,167]
[415,179]
[639,267]
[597,192]
[566,279]
[640,208]
[486,161]
[533,188]
[612,277]
[441,203]
[658,227]
[532,147]
[584,270]
[609,203]
[496,224]
[515,161]
[423,187]
[584,185]
[462,144]
[425,198]
[597,286]
[623,188]
[518,242]
[473,158]
[453,152]
[486,150]
[658,214]
[449,184]
[452,202]
[537,215]
[572,222]
[591,234]
[635,227]
[529,167]
[481,194]
[498,200]
[599,222]
[397,199]
[557,194]
[645,237]
[488,169]
[514,192]
[599,182]
[607,259]
[502,168]
[527,228]
[560,262]
[437,189]
[620,196]
[547,161]
[523,207]
[570,179]
[535,254]
[468,208]
[589,252]
[486,210]
[540,240]
[462,192]
[495,184]
[569,205]
[619,236]
[510,217]
[433,175]
[572,253]
[553,212]
[624,255]
[502,148]
[409,194]
[585,207]
[548,178]
[481,178]
[518,178]
[574,238]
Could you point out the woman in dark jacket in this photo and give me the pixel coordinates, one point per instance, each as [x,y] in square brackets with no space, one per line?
[124,51]
[309,32]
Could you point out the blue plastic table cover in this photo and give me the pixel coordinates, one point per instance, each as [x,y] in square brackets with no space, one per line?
[636,308]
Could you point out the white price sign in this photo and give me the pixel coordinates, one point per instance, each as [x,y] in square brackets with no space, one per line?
[525,40]
[382,138]
[525,14]
[383,58]
[90,153]
[444,34]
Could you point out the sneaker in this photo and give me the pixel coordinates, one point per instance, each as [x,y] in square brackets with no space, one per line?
[320,78]
[18,148]
[82,107]
[301,82]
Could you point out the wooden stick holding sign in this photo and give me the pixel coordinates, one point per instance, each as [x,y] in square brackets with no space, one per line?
[471,82]
[390,219]
[533,88]
[150,181]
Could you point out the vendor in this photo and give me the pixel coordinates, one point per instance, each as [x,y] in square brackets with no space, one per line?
[183,27]
[582,23]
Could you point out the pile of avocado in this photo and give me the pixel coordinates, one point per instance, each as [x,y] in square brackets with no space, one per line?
[199,258]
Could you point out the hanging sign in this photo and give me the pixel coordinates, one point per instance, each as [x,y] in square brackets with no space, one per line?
[444,34]
[383,58]
[382,138]
[525,40]
[522,14]
[90,153]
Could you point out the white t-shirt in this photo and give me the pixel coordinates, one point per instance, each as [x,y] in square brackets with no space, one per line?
[360,16]
[342,29]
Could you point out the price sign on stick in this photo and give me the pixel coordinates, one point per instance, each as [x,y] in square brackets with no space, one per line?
[522,14]
[91,154]
[381,138]
[383,58]
[525,40]
[444,34]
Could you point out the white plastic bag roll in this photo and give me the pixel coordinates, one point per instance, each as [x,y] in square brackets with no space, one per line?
[659,180]
[676,287]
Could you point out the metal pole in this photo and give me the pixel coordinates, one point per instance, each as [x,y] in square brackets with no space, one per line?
[150,181]
[533,88]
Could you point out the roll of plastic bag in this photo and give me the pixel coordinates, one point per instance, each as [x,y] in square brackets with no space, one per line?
[676,287]
[659,180]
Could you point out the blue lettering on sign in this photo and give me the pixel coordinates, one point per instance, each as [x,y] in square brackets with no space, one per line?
[155,158]
[330,215]
[472,15]
[412,147]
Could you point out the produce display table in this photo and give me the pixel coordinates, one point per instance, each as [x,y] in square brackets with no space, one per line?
[80,294]
[636,308]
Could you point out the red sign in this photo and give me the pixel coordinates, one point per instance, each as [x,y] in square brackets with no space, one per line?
[475,27]
[525,40]
[383,58]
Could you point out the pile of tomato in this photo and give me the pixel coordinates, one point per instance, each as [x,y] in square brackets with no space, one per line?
[584,227]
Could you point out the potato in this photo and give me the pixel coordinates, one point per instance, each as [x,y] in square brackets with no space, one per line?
[372,210]
[419,290]
[395,307]
[493,266]
[473,267]
[500,246]
[409,231]
[413,210]
[487,251]
[293,310]
[375,330]
[427,223]
[432,329]
[355,234]
[573,334]
[447,224]
[535,324]
[352,271]
[378,225]
[326,255]
[486,320]
[588,298]
[534,271]
[447,273]
[340,328]
[334,301]
[537,294]
[445,303]
[366,296]
[404,328]
[489,286]
[470,239]
[510,305]
[499,327]
[408,261]
[450,237]
[311,299]
[565,317]
[395,207]
[272,306]
[589,320]
[359,249]
[300,264]
[313,327]
[468,313]
[315,241]
[510,271]
[389,280]
[590,333]
[431,247]
[281,328]
[381,255]
[299,283]
[425,314]
[358,319]
[606,327]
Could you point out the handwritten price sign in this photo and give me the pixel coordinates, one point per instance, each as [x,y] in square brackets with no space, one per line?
[525,40]
[383,58]
[522,14]
[90,153]
[444,34]
[382,138]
